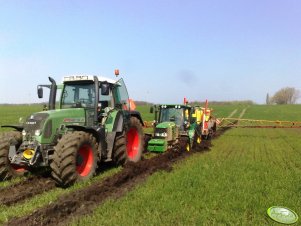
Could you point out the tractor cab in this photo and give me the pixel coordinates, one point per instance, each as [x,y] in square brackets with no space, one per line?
[179,114]
[95,96]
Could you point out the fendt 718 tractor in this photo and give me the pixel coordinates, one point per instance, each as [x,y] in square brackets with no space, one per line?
[181,125]
[92,124]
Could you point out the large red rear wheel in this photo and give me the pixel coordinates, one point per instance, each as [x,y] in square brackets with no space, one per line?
[129,145]
[133,143]
[134,140]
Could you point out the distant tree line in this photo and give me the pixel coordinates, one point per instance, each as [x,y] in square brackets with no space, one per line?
[234,102]
[139,103]
[287,95]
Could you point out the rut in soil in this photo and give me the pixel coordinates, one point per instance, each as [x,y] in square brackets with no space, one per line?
[84,201]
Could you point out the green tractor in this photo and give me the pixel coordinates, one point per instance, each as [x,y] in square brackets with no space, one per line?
[172,127]
[92,124]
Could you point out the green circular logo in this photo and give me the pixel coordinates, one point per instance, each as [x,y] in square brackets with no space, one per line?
[282,215]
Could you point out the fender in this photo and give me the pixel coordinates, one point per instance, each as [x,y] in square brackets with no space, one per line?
[118,123]
[96,131]
[18,128]
[137,115]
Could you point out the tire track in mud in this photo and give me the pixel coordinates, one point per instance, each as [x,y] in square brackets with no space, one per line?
[32,186]
[84,201]
[25,189]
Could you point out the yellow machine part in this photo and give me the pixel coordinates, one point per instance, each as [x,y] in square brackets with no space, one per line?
[198,115]
[187,147]
[28,153]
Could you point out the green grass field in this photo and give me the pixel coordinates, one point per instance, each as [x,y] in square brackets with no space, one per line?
[245,172]
[10,114]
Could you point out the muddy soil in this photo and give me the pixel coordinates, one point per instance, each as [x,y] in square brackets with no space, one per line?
[84,201]
[24,190]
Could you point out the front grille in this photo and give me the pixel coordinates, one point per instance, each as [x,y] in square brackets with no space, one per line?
[35,122]
[160,130]
[48,129]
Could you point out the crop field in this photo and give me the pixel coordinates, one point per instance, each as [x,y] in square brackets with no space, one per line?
[245,172]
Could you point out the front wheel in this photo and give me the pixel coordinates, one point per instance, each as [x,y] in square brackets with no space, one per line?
[75,158]
[185,144]
[8,170]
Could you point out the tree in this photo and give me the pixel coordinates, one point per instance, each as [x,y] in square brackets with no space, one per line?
[268,101]
[288,95]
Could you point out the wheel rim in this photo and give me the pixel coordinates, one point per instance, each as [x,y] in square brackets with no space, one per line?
[133,143]
[84,160]
[187,147]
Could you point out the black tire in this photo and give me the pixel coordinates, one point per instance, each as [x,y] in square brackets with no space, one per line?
[214,127]
[120,157]
[7,170]
[185,144]
[75,158]
[129,145]
[147,138]
[198,142]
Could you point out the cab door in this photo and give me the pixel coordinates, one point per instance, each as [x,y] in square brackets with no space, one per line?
[121,96]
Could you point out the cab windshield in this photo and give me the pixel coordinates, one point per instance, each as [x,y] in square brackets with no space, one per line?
[172,115]
[78,96]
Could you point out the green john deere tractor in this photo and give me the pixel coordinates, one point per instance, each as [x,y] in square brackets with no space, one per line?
[172,127]
[93,124]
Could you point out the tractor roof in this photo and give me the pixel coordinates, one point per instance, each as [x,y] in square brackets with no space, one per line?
[174,106]
[82,77]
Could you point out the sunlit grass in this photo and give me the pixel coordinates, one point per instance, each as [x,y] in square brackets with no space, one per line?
[246,172]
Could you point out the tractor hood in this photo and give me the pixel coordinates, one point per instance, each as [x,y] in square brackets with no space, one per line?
[166,130]
[43,126]
[164,125]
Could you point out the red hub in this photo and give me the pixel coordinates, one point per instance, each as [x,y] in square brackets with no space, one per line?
[133,142]
[84,160]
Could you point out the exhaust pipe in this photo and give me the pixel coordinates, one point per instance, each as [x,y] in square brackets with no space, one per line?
[52,96]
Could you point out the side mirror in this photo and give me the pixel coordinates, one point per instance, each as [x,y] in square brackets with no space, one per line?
[151,110]
[40,92]
[105,89]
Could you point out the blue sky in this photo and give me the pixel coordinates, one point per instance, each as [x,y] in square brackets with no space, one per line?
[165,49]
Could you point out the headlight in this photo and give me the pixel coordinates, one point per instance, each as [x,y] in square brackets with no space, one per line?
[37,132]
[161,134]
